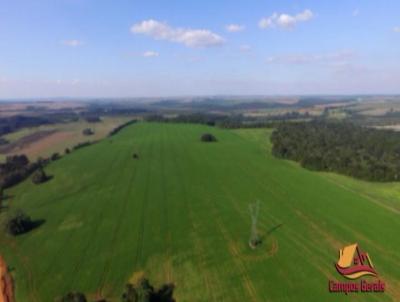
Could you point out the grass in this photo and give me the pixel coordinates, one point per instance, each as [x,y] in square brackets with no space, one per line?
[180,214]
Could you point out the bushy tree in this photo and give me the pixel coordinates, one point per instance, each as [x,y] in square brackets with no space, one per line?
[143,291]
[74,297]
[55,156]
[208,137]
[19,223]
[87,131]
[39,176]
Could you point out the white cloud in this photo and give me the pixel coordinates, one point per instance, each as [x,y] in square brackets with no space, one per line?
[72,43]
[396,29]
[285,20]
[188,37]
[233,28]
[150,54]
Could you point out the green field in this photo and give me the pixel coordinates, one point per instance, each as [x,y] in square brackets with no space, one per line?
[180,214]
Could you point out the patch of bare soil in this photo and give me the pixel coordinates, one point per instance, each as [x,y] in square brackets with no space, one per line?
[25,141]
[47,142]
[6,283]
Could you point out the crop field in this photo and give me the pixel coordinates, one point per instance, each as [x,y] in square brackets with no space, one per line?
[60,136]
[179,213]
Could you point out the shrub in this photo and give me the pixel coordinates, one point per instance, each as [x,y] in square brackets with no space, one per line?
[39,177]
[87,131]
[207,137]
[143,291]
[67,151]
[55,156]
[74,297]
[19,223]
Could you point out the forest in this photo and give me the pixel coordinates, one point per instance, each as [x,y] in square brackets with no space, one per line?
[361,152]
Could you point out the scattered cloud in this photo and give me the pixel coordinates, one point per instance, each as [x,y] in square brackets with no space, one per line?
[150,54]
[245,47]
[187,36]
[396,29]
[285,21]
[234,28]
[72,43]
[356,12]
[340,57]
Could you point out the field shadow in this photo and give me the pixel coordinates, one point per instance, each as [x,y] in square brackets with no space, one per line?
[164,294]
[274,228]
[36,223]
[48,178]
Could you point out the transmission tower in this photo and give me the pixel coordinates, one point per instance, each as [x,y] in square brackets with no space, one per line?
[255,239]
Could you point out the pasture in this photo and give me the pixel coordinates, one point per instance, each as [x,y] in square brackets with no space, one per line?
[180,214]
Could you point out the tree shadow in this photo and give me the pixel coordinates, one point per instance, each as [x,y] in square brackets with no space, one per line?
[274,228]
[164,294]
[36,223]
[48,178]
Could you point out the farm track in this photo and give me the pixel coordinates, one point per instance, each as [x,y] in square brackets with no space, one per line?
[72,233]
[165,206]
[211,284]
[6,283]
[247,283]
[112,244]
[99,222]
[145,202]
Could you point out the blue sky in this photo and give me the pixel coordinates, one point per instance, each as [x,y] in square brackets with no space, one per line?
[90,48]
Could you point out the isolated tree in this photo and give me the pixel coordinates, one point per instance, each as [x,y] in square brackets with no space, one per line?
[67,151]
[74,297]
[164,294]
[208,137]
[87,131]
[19,223]
[55,156]
[39,176]
[143,291]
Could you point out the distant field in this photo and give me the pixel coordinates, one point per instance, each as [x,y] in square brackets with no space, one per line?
[180,214]
[64,136]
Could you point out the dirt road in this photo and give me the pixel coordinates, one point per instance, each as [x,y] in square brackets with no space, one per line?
[6,283]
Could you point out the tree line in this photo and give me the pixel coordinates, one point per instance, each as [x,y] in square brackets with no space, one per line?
[227,121]
[364,153]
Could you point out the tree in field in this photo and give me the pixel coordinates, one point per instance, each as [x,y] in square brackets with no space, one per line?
[74,297]
[39,176]
[143,291]
[19,223]
[87,131]
[55,156]
[208,137]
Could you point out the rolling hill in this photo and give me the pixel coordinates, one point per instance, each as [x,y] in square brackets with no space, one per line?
[179,213]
